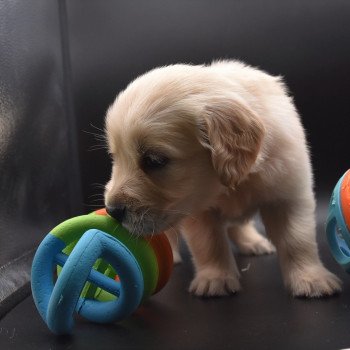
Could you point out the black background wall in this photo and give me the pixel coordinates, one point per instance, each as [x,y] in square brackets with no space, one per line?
[39,176]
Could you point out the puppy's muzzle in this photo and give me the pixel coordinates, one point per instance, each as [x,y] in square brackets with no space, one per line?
[118,211]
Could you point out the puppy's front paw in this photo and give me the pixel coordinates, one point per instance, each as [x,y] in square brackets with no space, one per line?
[258,247]
[209,283]
[313,282]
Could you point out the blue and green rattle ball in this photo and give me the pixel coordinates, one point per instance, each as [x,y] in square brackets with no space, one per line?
[93,266]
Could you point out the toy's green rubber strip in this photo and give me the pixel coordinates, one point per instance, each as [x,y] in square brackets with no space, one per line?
[71,230]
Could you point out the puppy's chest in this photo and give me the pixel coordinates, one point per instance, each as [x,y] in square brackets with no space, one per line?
[240,204]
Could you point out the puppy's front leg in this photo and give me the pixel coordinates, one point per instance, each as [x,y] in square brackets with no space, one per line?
[174,237]
[216,269]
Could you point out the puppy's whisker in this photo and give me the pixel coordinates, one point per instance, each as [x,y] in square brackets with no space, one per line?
[97,148]
[97,200]
[101,138]
[176,233]
[98,137]
[96,194]
[142,216]
[176,211]
[115,229]
[100,133]
[97,128]
[98,185]
[172,211]
[134,228]
[153,228]
[93,205]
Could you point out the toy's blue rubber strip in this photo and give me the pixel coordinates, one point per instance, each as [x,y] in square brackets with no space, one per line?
[65,297]
[42,271]
[95,277]
[335,221]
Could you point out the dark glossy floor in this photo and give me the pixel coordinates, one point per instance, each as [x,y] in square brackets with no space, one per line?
[261,316]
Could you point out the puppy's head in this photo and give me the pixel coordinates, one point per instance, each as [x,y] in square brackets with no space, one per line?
[175,137]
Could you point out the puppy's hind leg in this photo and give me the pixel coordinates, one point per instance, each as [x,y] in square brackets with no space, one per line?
[248,240]
[291,227]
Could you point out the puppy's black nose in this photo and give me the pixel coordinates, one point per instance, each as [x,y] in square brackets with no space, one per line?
[117,212]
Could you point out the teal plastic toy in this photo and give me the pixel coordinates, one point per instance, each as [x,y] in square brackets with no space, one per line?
[91,265]
[338,222]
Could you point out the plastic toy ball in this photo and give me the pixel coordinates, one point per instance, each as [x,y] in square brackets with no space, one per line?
[93,266]
[338,222]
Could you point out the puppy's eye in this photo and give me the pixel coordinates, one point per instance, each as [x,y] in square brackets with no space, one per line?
[153,161]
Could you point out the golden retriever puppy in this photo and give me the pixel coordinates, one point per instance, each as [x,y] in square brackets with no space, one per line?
[203,148]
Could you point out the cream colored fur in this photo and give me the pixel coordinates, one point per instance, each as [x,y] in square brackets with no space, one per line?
[235,146]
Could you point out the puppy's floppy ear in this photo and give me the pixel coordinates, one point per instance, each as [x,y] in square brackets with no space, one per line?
[233,133]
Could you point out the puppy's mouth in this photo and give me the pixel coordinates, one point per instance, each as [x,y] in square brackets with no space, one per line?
[149,223]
